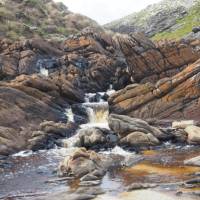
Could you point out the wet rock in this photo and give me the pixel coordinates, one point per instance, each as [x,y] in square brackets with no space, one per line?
[90,183]
[89,177]
[138,186]
[95,190]
[11,140]
[179,136]
[193,134]
[183,124]
[196,29]
[82,162]
[140,139]
[94,137]
[58,129]
[124,125]
[194,161]
[170,100]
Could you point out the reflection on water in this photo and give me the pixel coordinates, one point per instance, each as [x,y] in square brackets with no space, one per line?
[30,173]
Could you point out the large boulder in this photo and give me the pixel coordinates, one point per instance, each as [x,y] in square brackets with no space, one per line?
[172,98]
[139,139]
[135,132]
[150,62]
[83,162]
[11,140]
[94,138]
[124,125]
[193,134]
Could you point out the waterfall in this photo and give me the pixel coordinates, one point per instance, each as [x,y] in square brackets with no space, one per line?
[69,114]
[44,71]
[97,115]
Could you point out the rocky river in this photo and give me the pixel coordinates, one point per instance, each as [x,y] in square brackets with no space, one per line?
[155,173]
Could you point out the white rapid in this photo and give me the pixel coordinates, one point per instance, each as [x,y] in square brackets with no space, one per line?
[70,115]
[44,71]
[97,115]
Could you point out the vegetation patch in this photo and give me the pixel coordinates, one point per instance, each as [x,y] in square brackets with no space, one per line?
[186,24]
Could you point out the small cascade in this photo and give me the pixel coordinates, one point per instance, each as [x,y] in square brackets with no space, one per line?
[44,71]
[69,114]
[97,114]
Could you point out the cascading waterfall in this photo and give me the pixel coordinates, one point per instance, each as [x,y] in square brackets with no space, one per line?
[97,115]
[70,115]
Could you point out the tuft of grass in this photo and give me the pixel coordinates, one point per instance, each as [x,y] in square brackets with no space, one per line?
[12,35]
[186,25]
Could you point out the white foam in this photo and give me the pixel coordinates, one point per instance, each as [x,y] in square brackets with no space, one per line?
[23,154]
[44,71]
[69,114]
[118,151]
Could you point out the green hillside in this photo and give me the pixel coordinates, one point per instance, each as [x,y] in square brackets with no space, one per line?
[43,18]
[185,25]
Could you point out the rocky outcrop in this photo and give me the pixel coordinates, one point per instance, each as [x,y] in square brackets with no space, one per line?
[94,63]
[135,132]
[174,98]
[149,62]
[34,138]
[83,162]
[28,101]
[94,138]
[27,57]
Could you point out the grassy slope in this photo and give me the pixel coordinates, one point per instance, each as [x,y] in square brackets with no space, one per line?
[187,23]
[28,18]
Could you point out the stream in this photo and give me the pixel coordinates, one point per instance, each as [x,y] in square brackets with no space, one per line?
[28,175]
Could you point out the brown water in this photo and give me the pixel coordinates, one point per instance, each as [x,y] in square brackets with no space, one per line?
[29,175]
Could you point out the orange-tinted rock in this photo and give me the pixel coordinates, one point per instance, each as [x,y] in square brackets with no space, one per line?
[174,98]
[150,62]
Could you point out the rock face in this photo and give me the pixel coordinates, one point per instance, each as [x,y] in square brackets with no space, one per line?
[88,60]
[174,98]
[135,132]
[95,63]
[25,57]
[29,100]
[149,62]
